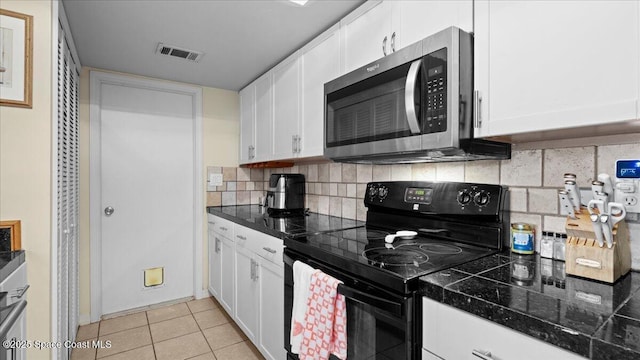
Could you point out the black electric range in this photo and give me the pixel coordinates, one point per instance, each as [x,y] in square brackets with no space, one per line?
[455,223]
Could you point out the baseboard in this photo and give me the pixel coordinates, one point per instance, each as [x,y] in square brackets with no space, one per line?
[84,319]
[202,293]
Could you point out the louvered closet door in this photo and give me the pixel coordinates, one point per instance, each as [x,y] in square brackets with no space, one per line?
[68,188]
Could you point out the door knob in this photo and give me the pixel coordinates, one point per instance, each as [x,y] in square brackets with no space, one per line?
[108,210]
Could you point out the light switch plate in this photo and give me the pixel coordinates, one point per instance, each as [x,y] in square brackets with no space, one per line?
[213,181]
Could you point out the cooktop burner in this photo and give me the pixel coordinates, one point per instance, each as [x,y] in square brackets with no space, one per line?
[401,255]
[444,249]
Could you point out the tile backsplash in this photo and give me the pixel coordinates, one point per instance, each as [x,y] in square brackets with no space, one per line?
[533,177]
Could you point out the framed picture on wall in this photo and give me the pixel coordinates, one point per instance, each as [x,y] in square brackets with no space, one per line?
[16,58]
[10,235]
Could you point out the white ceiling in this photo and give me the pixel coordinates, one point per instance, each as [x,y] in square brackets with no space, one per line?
[241,39]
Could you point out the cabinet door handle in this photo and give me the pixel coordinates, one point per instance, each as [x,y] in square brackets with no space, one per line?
[253,270]
[293,144]
[384,46]
[477,100]
[484,355]
[20,293]
[217,246]
[223,228]
[270,250]
[393,42]
[299,144]
[241,237]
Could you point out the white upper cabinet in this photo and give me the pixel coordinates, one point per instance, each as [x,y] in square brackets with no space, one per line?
[286,107]
[377,29]
[264,118]
[320,61]
[256,120]
[415,20]
[547,65]
[247,123]
[366,34]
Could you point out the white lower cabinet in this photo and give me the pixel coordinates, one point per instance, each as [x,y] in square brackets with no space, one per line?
[215,267]
[271,288]
[259,274]
[227,287]
[452,334]
[221,261]
[247,300]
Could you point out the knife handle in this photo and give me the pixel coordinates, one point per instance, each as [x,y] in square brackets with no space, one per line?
[604,197]
[574,195]
[606,181]
[566,204]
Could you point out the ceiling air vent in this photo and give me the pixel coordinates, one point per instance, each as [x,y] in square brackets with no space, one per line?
[181,53]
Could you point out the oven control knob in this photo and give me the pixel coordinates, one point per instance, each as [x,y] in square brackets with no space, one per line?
[464,197]
[481,198]
[372,191]
[383,191]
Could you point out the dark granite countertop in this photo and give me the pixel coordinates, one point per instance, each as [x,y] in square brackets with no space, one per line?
[251,217]
[529,294]
[9,262]
[534,296]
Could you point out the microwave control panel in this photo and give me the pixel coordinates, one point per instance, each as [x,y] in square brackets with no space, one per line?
[435,91]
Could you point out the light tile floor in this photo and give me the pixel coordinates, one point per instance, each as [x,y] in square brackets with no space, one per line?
[195,330]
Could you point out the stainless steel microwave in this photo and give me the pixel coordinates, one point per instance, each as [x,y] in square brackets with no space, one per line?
[414,105]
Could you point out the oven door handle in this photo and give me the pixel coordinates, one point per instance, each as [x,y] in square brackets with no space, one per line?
[409,96]
[13,316]
[362,297]
[393,307]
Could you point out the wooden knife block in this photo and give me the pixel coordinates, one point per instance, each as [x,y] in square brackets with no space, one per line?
[585,258]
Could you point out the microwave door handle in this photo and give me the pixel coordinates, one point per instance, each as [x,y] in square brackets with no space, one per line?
[409,96]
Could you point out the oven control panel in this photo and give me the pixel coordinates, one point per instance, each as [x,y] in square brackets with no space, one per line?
[437,197]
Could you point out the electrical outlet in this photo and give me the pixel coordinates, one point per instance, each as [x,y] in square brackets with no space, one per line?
[627,193]
[627,188]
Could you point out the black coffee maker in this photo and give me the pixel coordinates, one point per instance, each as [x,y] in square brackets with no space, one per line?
[285,195]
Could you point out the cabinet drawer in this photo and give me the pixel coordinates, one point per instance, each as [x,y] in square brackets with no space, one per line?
[453,334]
[223,227]
[271,250]
[211,219]
[268,247]
[15,283]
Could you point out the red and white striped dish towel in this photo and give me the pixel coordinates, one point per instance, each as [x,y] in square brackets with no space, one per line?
[325,330]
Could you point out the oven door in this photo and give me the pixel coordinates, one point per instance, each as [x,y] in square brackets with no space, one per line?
[380,325]
[12,329]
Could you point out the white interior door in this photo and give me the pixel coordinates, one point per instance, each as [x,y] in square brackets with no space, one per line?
[147,177]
